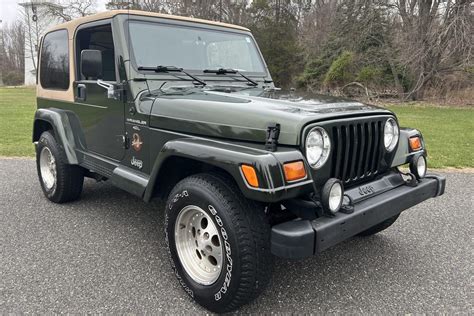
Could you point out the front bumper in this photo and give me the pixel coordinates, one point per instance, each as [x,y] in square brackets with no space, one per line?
[303,238]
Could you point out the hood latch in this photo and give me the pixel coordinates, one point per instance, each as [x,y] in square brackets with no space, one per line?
[273,132]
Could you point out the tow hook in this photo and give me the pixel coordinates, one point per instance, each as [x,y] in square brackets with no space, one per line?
[347,205]
[409,179]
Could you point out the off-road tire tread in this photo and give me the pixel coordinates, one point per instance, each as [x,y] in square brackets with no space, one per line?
[70,178]
[253,235]
[379,227]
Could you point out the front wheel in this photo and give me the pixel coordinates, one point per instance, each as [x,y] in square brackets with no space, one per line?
[219,242]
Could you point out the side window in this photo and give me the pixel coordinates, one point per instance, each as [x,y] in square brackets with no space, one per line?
[99,38]
[54,64]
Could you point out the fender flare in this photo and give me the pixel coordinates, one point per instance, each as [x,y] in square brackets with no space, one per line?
[229,157]
[66,129]
[403,153]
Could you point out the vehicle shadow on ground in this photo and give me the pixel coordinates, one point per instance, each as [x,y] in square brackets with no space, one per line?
[340,272]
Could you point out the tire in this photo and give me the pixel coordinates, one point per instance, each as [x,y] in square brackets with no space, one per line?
[62,182]
[244,242]
[379,227]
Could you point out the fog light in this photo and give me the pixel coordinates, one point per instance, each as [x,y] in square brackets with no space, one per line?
[332,195]
[418,166]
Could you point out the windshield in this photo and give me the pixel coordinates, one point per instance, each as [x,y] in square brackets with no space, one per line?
[193,48]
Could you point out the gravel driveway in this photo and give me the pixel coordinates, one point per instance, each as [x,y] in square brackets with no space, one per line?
[106,253]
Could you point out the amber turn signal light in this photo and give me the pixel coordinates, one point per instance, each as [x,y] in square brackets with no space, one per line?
[415,143]
[294,171]
[250,175]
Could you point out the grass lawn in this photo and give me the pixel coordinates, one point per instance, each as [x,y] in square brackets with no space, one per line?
[448,131]
[17,109]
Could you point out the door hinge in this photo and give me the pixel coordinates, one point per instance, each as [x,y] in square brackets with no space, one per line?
[115,91]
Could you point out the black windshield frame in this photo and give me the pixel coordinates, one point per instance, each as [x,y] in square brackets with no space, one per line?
[191,25]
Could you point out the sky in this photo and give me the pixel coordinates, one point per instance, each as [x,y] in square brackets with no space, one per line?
[9,9]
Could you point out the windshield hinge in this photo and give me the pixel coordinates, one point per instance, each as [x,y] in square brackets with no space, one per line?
[273,132]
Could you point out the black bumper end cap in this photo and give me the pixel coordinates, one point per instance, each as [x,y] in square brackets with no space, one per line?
[294,239]
[441,180]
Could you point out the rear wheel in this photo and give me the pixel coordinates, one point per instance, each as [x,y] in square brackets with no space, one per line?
[59,181]
[219,242]
[379,227]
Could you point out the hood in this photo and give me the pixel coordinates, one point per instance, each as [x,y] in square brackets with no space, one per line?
[245,115]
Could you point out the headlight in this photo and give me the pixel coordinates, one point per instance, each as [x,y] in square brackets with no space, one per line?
[390,134]
[318,147]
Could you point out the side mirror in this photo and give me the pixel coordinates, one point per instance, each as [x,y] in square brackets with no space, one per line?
[91,63]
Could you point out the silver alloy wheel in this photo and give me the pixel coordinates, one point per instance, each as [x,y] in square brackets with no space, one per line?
[48,168]
[198,245]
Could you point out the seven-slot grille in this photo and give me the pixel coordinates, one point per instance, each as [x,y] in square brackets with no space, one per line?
[356,150]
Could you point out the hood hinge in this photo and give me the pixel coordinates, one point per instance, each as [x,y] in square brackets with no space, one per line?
[273,132]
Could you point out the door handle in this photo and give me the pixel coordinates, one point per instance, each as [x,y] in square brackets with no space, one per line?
[81,92]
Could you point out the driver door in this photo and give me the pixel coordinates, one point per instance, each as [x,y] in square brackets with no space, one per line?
[101,117]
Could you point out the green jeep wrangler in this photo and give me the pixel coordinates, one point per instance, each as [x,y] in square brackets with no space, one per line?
[184,109]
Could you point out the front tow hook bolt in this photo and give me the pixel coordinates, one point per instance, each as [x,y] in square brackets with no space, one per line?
[409,179]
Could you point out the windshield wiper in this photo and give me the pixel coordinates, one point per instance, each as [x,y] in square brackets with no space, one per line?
[172,69]
[223,71]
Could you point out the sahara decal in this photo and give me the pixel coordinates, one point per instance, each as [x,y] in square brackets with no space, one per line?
[136,142]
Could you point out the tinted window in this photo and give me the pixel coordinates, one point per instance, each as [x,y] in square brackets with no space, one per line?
[54,64]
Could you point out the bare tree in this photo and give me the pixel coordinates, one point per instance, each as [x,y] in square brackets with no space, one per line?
[12,51]
[232,11]
[70,9]
[35,22]
[14,45]
[436,38]
[146,5]
[317,23]
[37,19]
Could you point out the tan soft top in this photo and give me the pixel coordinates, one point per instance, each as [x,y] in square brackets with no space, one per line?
[72,25]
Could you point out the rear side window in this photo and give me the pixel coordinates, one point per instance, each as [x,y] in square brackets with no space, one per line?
[54,64]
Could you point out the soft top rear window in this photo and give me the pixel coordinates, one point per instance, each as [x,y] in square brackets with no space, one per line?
[54,64]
